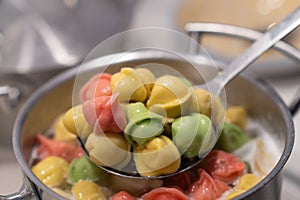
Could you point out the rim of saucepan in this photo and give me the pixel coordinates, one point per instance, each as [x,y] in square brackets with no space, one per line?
[71,73]
[290,136]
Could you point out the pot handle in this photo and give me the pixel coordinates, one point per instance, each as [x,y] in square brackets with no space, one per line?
[28,191]
[12,93]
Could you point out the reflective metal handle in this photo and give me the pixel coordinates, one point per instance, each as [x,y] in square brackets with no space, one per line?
[12,93]
[28,191]
[196,30]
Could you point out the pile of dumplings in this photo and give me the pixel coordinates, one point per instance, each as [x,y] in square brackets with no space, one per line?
[134,116]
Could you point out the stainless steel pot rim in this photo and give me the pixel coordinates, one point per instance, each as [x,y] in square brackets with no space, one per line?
[67,75]
[290,138]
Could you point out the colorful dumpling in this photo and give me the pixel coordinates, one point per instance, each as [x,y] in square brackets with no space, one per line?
[170,96]
[108,149]
[50,147]
[132,84]
[104,114]
[52,171]
[208,104]
[147,77]
[192,134]
[75,122]
[61,133]
[83,169]
[143,124]
[202,102]
[246,182]
[231,138]
[157,157]
[97,86]
[87,190]
[237,115]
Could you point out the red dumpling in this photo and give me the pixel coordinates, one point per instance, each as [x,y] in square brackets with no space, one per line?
[65,150]
[104,114]
[223,166]
[206,188]
[97,86]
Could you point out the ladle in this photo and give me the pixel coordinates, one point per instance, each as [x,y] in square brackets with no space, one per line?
[215,86]
[259,47]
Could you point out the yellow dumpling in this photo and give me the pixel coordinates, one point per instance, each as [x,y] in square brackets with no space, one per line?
[170,96]
[202,102]
[87,190]
[61,133]
[237,115]
[132,84]
[75,122]
[208,104]
[52,171]
[246,182]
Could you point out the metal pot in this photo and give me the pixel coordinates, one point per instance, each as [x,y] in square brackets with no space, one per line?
[39,39]
[55,97]
[42,36]
[14,91]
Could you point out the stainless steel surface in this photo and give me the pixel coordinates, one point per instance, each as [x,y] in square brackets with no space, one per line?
[14,90]
[45,35]
[196,31]
[168,16]
[164,16]
[12,93]
[260,46]
[257,91]
[11,173]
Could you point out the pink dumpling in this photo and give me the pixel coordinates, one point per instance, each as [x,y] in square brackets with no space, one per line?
[98,85]
[104,114]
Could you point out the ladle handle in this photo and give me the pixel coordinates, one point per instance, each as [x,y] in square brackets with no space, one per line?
[261,45]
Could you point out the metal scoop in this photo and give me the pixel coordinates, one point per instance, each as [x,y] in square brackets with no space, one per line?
[259,47]
[215,86]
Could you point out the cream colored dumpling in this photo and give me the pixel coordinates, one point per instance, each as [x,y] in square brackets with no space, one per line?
[147,77]
[108,149]
[157,157]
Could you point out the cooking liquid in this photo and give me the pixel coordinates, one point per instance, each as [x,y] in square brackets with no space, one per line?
[262,153]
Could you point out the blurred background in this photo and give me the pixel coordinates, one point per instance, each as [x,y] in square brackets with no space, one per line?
[39,39]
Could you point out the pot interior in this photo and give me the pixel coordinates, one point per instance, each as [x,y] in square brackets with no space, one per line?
[56,96]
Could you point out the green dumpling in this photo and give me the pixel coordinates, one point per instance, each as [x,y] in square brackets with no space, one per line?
[192,134]
[232,137]
[143,125]
[83,169]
